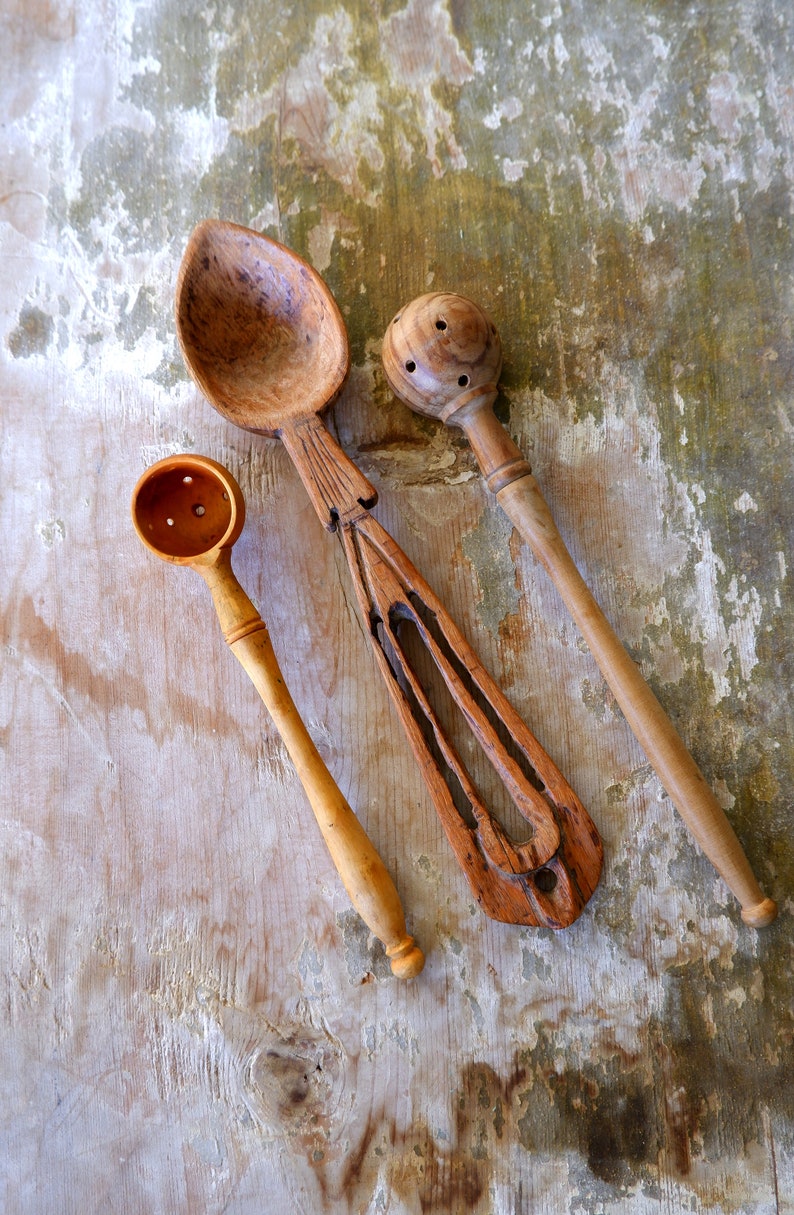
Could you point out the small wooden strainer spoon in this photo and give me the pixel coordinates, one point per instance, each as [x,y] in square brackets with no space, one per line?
[189,510]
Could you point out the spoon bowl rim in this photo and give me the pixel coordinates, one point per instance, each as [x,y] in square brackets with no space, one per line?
[315,385]
[187,465]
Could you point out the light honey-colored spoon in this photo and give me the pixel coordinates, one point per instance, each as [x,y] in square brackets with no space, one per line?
[189,510]
[264,339]
[442,356]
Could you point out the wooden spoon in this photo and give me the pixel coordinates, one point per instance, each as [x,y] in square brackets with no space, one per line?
[264,340]
[442,356]
[190,511]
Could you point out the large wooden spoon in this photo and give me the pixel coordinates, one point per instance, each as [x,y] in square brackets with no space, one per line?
[189,510]
[264,339]
[442,356]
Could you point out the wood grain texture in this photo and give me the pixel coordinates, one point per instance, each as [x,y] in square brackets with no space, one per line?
[193,1017]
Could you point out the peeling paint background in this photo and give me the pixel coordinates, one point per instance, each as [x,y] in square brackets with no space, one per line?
[193,1016]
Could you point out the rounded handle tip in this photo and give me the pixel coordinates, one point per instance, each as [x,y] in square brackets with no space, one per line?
[760,914]
[407,959]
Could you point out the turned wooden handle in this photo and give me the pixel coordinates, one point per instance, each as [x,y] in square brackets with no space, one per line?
[524,505]
[363,873]
[442,355]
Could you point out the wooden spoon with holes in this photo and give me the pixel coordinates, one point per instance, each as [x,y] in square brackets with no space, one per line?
[189,510]
[442,356]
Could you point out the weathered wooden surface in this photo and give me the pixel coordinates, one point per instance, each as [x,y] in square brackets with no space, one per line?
[194,1018]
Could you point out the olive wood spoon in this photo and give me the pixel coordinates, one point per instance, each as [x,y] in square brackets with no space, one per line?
[442,356]
[189,510]
[264,340]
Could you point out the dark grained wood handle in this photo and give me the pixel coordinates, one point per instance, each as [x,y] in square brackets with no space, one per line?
[545,880]
[339,491]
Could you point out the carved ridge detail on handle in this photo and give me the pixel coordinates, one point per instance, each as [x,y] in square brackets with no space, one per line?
[339,491]
[506,473]
[244,629]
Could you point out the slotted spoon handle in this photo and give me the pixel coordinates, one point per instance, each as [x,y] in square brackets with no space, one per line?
[545,880]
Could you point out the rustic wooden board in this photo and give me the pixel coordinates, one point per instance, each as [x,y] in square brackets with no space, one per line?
[194,1019]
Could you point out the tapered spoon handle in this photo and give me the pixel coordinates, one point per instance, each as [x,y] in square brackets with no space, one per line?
[363,873]
[442,355]
[524,505]
[521,499]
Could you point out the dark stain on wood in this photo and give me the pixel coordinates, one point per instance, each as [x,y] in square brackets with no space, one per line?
[445,1180]
[751,1054]
[33,333]
[617,1134]
[621,1114]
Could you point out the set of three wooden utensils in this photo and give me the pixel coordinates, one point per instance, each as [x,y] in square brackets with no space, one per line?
[265,342]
